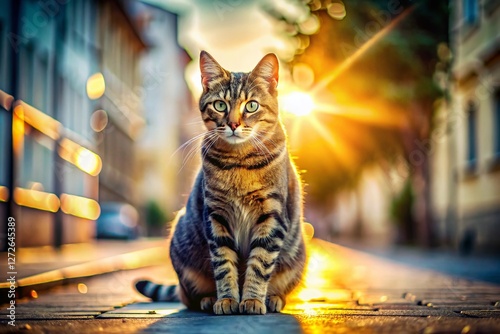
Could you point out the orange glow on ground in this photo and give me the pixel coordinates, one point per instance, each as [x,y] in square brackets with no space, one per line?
[79,206]
[36,199]
[321,273]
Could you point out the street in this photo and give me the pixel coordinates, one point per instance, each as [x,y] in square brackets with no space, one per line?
[344,291]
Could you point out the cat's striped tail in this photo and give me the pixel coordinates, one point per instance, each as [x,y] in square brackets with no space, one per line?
[158,292]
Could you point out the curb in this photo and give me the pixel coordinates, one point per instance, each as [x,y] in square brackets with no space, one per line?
[128,261]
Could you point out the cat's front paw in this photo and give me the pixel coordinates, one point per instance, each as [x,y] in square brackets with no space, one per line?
[252,306]
[226,306]
[207,304]
[275,304]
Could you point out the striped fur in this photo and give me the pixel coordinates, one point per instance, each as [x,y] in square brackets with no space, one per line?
[238,247]
[157,292]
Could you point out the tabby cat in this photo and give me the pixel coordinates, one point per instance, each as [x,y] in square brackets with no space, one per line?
[238,246]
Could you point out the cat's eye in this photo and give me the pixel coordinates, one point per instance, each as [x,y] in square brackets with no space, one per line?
[220,105]
[252,106]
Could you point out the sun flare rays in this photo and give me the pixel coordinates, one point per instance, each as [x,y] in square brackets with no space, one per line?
[339,124]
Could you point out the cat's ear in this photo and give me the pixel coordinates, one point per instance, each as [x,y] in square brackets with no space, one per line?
[268,69]
[210,69]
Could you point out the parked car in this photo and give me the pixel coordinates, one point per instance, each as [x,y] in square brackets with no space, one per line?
[117,221]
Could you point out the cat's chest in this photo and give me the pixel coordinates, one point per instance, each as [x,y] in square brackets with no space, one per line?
[244,218]
[242,195]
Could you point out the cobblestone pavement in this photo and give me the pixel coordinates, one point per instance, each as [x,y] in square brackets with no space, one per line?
[344,291]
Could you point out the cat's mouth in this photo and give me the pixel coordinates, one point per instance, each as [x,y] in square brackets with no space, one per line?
[234,139]
[235,135]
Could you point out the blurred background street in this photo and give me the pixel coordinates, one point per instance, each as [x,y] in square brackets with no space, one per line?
[392,108]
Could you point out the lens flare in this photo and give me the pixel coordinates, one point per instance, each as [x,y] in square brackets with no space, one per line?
[297,103]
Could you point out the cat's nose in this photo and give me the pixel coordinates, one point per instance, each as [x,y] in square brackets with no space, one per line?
[233,125]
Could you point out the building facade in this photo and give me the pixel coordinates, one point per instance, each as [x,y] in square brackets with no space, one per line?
[466,158]
[119,118]
[168,107]
[67,66]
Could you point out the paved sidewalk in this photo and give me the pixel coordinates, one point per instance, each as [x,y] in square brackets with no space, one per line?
[344,291]
[39,268]
[484,267]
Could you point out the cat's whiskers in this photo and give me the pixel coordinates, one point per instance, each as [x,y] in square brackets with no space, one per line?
[187,143]
[199,122]
[270,140]
[208,145]
[210,138]
[261,147]
[194,149]
[263,137]
[190,155]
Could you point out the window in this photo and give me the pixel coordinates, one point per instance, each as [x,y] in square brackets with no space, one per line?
[490,6]
[470,11]
[38,161]
[25,83]
[471,135]
[4,145]
[40,83]
[4,59]
[496,124]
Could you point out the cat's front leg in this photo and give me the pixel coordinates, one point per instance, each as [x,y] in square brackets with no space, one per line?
[224,259]
[264,250]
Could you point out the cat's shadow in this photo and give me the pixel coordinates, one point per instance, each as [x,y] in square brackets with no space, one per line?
[176,318]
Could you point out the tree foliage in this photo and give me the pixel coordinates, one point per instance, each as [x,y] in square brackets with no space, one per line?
[391,82]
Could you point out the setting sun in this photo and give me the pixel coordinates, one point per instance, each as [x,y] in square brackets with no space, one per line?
[297,103]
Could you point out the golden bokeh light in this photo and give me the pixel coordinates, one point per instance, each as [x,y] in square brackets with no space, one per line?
[82,288]
[4,194]
[78,206]
[37,119]
[36,199]
[34,294]
[96,86]
[308,231]
[310,25]
[99,120]
[18,130]
[84,159]
[336,10]
[303,75]
[297,103]
[88,161]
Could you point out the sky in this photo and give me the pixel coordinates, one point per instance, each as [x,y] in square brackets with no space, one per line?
[237,33]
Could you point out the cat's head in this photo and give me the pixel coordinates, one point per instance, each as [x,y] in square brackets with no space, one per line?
[239,106]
